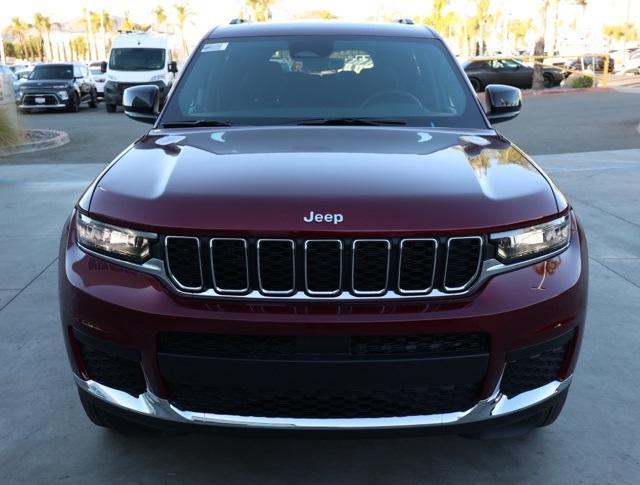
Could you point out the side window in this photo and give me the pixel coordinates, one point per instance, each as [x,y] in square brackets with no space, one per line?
[77,72]
[504,65]
[85,71]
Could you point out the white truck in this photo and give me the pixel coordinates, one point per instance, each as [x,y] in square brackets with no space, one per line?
[138,58]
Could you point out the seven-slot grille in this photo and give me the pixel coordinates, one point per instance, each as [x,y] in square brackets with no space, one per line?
[323,267]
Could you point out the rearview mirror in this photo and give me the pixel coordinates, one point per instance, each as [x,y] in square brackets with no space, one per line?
[142,103]
[502,103]
[103,67]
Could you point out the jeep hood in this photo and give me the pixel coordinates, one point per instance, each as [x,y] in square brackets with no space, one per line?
[265,180]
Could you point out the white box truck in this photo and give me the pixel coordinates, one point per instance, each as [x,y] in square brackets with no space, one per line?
[138,58]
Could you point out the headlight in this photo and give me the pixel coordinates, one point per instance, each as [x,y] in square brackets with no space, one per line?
[59,86]
[532,241]
[63,94]
[159,77]
[114,241]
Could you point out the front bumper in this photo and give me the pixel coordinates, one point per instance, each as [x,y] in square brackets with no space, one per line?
[112,91]
[51,100]
[129,310]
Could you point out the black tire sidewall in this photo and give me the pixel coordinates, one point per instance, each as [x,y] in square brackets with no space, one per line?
[74,103]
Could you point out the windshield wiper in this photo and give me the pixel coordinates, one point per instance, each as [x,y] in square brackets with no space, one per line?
[194,123]
[352,122]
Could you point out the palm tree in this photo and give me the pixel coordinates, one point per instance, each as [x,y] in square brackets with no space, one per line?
[161,17]
[519,30]
[538,51]
[96,24]
[106,23]
[42,23]
[19,29]
[182,13]
[260,9]
[88,31]
[127,23]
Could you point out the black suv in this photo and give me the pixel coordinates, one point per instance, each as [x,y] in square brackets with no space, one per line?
[57,86]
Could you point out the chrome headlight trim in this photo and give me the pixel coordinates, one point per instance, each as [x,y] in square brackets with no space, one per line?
[114,241]
[532,242]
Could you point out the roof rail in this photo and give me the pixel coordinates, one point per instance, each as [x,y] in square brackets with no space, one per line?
[406,21]
[238,21]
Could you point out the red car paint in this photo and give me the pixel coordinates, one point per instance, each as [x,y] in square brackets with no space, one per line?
[263,181]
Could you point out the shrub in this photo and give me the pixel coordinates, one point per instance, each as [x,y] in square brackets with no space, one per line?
[578,80]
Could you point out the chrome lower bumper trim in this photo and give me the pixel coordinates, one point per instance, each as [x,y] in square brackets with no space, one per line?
[35,106]
[150,405]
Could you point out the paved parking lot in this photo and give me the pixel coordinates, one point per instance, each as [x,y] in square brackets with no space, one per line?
[45,438]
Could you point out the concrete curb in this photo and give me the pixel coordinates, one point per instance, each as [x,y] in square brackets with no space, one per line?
[57,138]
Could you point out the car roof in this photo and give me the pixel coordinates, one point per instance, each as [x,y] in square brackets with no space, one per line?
[70,63]
[258,29]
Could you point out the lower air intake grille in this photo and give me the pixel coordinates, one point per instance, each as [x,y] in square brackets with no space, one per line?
[117,372]
[305,403]
[531,372]
[419,344]
[263,346]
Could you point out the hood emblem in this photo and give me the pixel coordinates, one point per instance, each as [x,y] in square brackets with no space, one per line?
[325,218]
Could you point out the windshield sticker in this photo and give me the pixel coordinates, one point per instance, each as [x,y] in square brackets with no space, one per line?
[215,47]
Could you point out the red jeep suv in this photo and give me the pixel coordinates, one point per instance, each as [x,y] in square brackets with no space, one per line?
[322,231]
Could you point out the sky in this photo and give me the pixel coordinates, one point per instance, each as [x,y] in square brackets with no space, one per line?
[352,9]
[208,13]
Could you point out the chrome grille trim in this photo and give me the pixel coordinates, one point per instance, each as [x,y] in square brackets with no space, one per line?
[171,276]
[219,289]
[433,272]
[293,259]
[158,268]
[471,280]
[353,260]
[306,280]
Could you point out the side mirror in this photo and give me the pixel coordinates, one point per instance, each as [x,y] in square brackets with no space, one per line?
[142,103]
[103,67]
[502,103]
[173,67]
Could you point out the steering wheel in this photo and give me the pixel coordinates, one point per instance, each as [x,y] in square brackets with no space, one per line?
[394,92]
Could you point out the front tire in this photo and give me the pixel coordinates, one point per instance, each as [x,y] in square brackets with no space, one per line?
[548,81]
[93,102]
[476,84]
[74,103]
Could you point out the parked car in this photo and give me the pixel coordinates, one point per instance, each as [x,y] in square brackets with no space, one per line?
[7,79]
[57,86]
[590,62]
[337,251]
[99,77]
[632,66]
[481,73]
[138,58]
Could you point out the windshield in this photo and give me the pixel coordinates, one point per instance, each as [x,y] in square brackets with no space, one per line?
[136,59]
[289,79]
[51,72]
